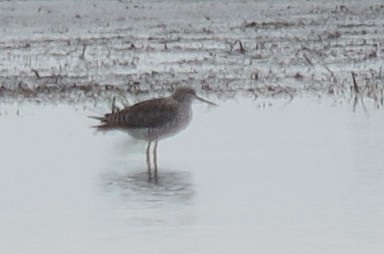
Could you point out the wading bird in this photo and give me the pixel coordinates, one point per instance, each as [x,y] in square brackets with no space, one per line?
[153,120]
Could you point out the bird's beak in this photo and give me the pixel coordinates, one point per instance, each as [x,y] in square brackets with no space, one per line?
[206,101]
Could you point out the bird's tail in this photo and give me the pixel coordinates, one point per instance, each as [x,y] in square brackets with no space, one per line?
[111,120]
[104,122]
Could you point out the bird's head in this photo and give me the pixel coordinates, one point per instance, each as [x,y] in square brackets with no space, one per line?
[187,94]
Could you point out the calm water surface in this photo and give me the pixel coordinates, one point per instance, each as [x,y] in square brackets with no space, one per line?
[304,177]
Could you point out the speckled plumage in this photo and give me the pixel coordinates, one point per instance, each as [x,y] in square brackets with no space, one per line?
[150,120]
[154,119]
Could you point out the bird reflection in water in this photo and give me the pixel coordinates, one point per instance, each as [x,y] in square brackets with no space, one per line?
[172,186]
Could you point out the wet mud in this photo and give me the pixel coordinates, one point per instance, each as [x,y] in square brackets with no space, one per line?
[70,51]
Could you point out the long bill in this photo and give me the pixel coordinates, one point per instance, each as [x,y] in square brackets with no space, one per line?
[206,101]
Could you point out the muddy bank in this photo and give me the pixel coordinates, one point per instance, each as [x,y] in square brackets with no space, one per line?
[75,51]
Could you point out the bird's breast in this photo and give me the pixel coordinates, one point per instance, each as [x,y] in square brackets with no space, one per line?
[181,121]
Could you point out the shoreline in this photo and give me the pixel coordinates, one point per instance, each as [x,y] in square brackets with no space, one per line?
[58,49]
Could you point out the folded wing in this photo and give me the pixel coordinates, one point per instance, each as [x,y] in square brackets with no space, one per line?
[148,114]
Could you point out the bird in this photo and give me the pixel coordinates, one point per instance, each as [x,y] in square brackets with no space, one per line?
[153,120]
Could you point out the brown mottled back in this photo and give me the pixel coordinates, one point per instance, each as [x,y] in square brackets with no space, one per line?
[147,114]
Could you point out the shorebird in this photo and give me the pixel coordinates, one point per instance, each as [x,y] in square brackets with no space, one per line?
[153,120]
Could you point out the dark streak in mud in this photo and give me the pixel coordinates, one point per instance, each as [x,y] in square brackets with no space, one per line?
[265,50]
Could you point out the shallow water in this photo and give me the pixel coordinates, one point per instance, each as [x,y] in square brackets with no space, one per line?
[303,177]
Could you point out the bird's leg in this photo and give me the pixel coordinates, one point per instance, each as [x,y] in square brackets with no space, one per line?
[155,159]
[149,161]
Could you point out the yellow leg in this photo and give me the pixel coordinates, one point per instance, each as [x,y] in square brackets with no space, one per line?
[149,161]
[155,159]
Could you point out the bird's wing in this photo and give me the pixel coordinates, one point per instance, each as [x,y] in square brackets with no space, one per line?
[147,114]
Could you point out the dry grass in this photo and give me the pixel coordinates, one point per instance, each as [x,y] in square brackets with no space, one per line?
[278,51]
